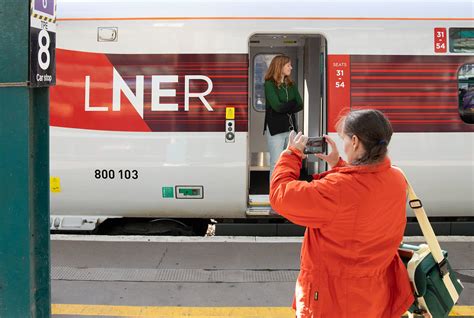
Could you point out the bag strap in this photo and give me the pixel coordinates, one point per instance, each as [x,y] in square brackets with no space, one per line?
[422,218]
[430,237]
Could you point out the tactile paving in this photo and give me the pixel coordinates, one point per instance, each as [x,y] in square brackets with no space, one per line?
[172,275]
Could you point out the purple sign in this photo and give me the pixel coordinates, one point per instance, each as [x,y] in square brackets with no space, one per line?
[45,6]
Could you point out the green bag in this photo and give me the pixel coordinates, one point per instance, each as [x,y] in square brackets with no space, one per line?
[434,282]
[431,293]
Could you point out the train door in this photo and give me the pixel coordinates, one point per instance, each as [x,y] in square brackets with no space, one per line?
[307,54]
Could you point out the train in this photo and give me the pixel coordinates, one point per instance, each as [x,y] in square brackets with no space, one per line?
[158,108]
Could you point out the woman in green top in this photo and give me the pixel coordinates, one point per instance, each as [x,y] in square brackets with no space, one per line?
[282,102]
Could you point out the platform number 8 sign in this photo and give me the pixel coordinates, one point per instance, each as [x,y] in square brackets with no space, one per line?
[42,43]
[43,51]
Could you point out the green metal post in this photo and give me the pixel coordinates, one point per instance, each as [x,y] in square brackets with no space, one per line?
[24,174]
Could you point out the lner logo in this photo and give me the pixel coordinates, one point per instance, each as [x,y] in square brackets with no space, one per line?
[137,98]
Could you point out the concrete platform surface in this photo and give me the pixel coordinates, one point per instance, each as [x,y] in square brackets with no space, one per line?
[201,277]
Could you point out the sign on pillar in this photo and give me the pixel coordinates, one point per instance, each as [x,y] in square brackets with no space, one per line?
[42,43]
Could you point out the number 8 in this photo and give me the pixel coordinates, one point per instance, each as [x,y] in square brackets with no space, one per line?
[44,49]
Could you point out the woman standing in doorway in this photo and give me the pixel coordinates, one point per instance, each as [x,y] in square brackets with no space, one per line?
[282,102]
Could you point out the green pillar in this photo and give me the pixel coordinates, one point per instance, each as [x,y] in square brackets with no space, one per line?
[24,173]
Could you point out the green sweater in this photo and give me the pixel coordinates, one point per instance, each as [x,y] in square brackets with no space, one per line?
[277,98]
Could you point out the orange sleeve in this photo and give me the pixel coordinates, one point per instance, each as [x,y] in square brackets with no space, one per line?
[312,204]
[340,163]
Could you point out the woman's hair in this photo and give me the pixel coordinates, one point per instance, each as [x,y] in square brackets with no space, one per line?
[275,69]
[373,130]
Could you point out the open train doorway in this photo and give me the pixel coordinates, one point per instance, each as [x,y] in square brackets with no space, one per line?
[308,58]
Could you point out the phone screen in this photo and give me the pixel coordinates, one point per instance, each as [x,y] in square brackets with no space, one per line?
[315,145]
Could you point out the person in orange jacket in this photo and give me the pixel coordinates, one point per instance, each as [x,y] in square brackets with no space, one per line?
[355,218]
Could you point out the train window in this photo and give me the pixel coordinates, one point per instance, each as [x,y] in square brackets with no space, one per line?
[466,93]
[461,40]
[261,63]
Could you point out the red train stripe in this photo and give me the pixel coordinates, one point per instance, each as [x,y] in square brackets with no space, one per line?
[443,88]
[228,76]
[193,68]
[179,74]
[402,64]
[451,85]
[406,94]
[437,70]
[424,121]
[180,64]
[404,106]
[188,120]
[210,95]
[425,113]
[200,106]
[405,77]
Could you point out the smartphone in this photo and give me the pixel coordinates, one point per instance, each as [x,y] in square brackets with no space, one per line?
[315,145]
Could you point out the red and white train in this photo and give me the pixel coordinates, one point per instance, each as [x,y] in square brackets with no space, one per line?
[159,105]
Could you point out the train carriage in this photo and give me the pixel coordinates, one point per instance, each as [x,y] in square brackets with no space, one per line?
[159,106]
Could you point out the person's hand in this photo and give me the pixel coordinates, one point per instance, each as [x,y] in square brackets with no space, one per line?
[333,157]
[298,141]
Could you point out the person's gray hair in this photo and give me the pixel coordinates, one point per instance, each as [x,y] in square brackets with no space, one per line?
[374,131]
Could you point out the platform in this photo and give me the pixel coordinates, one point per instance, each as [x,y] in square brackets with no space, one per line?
[97,276]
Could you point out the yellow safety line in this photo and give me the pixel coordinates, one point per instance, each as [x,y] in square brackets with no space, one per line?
[195,312]
[172,312]
[462,311]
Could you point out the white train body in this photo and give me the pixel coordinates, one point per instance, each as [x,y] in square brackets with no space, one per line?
[145,92]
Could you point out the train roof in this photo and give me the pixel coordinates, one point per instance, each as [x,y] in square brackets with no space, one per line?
[266,9]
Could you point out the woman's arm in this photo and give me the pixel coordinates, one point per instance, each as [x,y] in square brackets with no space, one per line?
[299,100]
[311,204]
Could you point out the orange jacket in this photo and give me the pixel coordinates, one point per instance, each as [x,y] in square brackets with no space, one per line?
[355,219]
